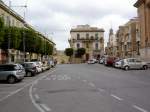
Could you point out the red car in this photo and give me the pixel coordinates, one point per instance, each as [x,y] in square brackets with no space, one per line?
[109,61]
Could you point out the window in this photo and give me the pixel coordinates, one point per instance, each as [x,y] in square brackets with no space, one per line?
[87,36]
[78,45]
[92,37]
[96,36]
[78,36]
[96,46]
[87,45]
[8,20]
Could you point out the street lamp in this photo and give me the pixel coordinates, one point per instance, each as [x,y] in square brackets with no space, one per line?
[138,41]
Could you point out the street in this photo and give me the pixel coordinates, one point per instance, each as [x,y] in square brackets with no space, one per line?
[79,88]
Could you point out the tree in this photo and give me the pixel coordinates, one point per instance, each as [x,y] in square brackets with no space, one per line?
[1,31]
[80,52]
[69,52]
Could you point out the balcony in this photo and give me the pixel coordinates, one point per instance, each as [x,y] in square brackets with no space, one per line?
[85,39]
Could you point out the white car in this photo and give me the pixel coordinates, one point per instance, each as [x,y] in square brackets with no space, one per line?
[118,64]
[39,66]
[133,63]
[92,61]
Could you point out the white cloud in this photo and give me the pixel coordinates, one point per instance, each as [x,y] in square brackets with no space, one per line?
[59,16]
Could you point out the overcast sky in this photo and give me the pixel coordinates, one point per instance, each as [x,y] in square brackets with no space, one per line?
[55,18]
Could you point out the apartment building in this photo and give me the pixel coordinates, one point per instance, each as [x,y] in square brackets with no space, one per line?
[144,24]
[128,41]
[11,18]
[90,38]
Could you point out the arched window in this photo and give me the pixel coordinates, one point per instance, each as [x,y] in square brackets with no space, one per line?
[78,45]
[96,46]
[96,36]
[87,36]
[78,36]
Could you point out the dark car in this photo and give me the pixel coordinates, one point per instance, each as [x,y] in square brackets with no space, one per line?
[30,68]
[109,61]
[11,72]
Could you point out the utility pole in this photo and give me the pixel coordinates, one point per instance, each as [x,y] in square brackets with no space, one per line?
[24,46]
[9,39]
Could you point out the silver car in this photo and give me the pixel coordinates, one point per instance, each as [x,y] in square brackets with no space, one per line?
[12,72]
[133,63]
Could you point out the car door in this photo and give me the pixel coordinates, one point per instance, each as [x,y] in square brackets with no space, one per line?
[132,63]
[138,63]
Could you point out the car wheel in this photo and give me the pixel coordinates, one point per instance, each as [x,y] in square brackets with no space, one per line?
[145,67]
[29,74]
[126,68]
[11,79]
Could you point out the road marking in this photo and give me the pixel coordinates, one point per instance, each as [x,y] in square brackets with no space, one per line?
[91,84]
[20,89]
[116,97]
[33,101]
[37,96]
[84,80]
[45,107]
[101,90]
[140,109]
[31,91]
[14,92]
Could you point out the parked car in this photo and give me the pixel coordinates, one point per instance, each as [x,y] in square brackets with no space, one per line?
[30,68]
[51,63]
[109,61]
[45,66]
[12,72]
[38,66]
[118,64]
[92,61]
[101,60]
[133,63]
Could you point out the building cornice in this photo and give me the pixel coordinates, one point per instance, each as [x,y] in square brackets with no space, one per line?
[139,3]
[11,12]
[81,30]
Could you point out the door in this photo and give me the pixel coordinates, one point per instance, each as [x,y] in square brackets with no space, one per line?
[87,57]
[132,63]
[138,64]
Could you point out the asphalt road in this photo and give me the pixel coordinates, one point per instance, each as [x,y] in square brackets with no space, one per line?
[79,88]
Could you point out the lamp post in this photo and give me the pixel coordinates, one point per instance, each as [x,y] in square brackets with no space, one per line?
[138,41]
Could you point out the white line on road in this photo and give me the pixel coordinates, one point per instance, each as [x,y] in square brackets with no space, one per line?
[33,101]
[84,80]
[139,108]
[101,90]
[91,84]
[45,107]
[30,93]
[20,89]
[37,96]
[116,97]
[14,92]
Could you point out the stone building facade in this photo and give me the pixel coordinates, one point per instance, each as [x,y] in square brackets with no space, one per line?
[11,18]
[90,38]
[127,39]
[144,23]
